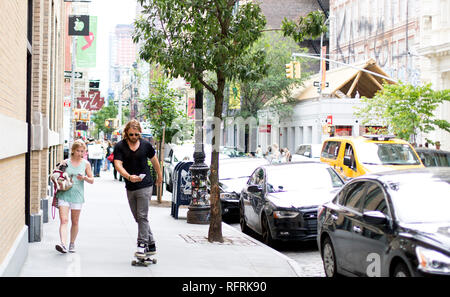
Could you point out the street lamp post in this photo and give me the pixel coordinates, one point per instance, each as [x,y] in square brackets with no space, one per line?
[199,208]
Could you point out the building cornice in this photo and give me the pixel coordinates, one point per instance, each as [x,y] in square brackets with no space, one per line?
[433,51]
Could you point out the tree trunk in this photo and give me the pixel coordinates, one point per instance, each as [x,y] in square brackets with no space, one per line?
[215,226]
[161,164]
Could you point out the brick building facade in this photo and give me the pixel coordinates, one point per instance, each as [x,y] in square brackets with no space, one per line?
[31,113]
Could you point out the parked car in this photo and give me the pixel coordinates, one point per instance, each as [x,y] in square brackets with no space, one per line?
[176,154]
[280,201]
[434,158]
[307,152]
[233,174]
[393,223]
[356,156]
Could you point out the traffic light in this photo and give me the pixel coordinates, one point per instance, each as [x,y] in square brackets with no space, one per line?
[108,123]
[289,70]
[297,69]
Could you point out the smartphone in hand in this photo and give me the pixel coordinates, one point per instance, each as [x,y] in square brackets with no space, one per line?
[142,175]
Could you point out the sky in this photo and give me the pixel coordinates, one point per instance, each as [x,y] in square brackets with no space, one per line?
[109,13]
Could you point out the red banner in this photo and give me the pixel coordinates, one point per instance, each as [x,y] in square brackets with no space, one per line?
[191,108]
[93,101]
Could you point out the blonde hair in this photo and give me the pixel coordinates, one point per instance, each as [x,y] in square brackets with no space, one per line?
[76,144]
[131,124]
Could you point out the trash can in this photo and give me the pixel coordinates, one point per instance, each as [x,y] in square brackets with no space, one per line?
[181,192]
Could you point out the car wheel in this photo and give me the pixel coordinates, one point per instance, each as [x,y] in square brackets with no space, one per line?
[401,270]
[329,258]
[266,235]
[242,222]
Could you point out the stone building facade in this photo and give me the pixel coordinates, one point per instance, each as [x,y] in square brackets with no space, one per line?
[409,40]
[31,74]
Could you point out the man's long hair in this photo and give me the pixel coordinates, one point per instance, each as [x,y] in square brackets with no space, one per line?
[131,124]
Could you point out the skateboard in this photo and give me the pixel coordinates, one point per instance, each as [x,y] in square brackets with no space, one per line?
[143,261]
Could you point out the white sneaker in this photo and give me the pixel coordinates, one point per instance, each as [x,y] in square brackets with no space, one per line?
[140,252]
[72,248]
[61,248]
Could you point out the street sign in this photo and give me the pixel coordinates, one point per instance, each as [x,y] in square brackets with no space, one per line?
[317,84]
[78,25]
[68,74]
[265,128]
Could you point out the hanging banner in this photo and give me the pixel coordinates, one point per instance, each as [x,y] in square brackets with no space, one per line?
[87,46]
[191,108]
[324,68]
[91,102]
[235,97]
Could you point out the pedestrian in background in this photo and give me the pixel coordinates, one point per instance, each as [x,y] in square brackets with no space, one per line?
[79,170]
[131,160]
[109,151]
[96,154]
[114,167]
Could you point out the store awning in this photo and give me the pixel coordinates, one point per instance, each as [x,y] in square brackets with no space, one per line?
[345,82]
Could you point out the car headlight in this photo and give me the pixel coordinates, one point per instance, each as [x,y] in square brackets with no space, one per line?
[432,261]
[228,196]
[284,214]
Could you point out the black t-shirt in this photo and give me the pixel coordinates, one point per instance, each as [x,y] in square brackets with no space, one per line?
[135,162]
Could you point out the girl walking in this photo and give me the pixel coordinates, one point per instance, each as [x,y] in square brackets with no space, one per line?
[72,200]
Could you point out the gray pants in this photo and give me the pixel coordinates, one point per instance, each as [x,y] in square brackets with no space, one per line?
[139,203]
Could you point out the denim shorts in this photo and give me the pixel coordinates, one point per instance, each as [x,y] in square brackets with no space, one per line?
[71,205]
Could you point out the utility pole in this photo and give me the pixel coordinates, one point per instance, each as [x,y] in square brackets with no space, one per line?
[72,93]
[199,209]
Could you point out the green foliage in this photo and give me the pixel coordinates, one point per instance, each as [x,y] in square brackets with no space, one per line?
[273,89]
[192,36]
[310,26]
[107,112]
[405,109]
[161,107]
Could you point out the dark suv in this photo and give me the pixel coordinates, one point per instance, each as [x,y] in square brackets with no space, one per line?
[394,223]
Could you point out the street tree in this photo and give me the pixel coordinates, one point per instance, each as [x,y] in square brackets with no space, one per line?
[193,37]
[274,89]
[405,109]
[161,110]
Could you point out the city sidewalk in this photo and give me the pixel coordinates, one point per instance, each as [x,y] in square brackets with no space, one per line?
[107,241]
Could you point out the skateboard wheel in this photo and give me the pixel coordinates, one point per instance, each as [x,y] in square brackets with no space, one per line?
[154,261]
[133,262]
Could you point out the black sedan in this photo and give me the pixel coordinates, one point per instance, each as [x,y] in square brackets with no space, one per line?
[233,174]
[394,223]
[280,201]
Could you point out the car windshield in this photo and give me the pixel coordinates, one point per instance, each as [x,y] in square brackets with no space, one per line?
[421,200]
[297,178]
[386,154]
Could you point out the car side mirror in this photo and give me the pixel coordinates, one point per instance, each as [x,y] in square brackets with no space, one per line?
[375,217]
[254,189]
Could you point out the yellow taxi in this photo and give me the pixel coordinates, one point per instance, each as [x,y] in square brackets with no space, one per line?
[353,156]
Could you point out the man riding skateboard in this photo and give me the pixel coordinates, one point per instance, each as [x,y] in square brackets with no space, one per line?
[131,160]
